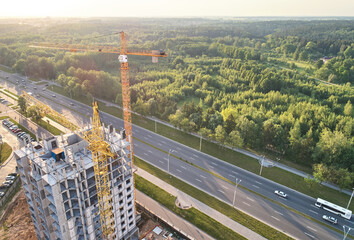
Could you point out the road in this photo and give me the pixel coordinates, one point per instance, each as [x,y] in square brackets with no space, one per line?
[277,216]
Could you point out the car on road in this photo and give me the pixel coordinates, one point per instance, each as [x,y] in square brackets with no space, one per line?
[330,219]
[53,95]
[71,104]
[280,193]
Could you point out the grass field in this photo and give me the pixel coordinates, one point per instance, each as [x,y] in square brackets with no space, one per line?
[218,205]
[192,215]
[6,151]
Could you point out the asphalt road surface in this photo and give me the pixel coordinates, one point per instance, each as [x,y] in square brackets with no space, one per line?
[274,215]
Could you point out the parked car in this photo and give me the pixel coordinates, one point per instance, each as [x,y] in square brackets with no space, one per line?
[18,130]
[10,178]
[13,126]
[15,130]
[13,174]
[2,194]
[19,134]
[8,183]
[280,193]
[330,219]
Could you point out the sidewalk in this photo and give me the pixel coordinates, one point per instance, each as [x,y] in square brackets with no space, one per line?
[170,218]
[226,221]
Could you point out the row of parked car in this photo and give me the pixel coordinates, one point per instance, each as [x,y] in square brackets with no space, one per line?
[9,181]
[18,131]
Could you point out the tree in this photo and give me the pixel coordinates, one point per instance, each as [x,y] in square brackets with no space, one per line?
[319,64]
[303,56]
[321,172]
[220,134]
[235,139]
[34,113]
[22,103]
[348,109]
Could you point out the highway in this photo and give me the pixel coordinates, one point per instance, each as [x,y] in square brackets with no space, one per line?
[273,214]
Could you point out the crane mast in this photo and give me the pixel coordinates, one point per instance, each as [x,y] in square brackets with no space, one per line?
[99,148]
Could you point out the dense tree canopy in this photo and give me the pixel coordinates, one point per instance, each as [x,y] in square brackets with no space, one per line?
[253,84]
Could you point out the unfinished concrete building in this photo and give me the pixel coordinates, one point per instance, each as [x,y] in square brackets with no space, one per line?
[58,178]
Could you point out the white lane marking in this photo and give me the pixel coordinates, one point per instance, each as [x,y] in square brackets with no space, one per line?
[224,187]
[203,176]
[311,228]
[178,170]
[279,213]
[137,130]
[258,182]
[149,151]
[275,218]
[347,220]
[246,204]
[314,206]
[214,163]
[221,191]
[255,186]
[252,200]
[234,172]
[184,167]
[232,176]
[192,158]
[198,180]
[195,155]
[159,144]
[166,159]
[163,142]
[149,136]
[145,154]
[211,166]
[161,161]
[309,235]
[313,212]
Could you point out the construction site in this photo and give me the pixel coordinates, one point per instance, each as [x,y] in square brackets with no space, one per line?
[80,185]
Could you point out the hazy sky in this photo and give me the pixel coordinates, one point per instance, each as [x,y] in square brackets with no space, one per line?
[175,8]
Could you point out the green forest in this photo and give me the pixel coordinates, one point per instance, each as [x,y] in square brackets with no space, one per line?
[281,86]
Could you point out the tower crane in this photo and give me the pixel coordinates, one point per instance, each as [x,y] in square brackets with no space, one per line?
[99,148]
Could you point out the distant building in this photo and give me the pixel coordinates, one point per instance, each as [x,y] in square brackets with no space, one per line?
[326,59]
[59,183]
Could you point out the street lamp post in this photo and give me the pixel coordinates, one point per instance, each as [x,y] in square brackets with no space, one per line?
[346,233]
[260,171]
[237,182]
[350,198]
[168,161]
[200,143]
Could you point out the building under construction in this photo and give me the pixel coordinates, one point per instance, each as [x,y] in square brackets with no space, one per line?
[58,177]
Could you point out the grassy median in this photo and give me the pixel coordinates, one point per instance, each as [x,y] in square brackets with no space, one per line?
[238,216]
[192,215]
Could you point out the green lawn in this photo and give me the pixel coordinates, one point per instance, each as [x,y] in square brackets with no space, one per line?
[218,205]
[6,151]
[50,128]
[197,218]
[34,79]
[5,69]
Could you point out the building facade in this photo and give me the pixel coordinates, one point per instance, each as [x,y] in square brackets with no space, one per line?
[58,178]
